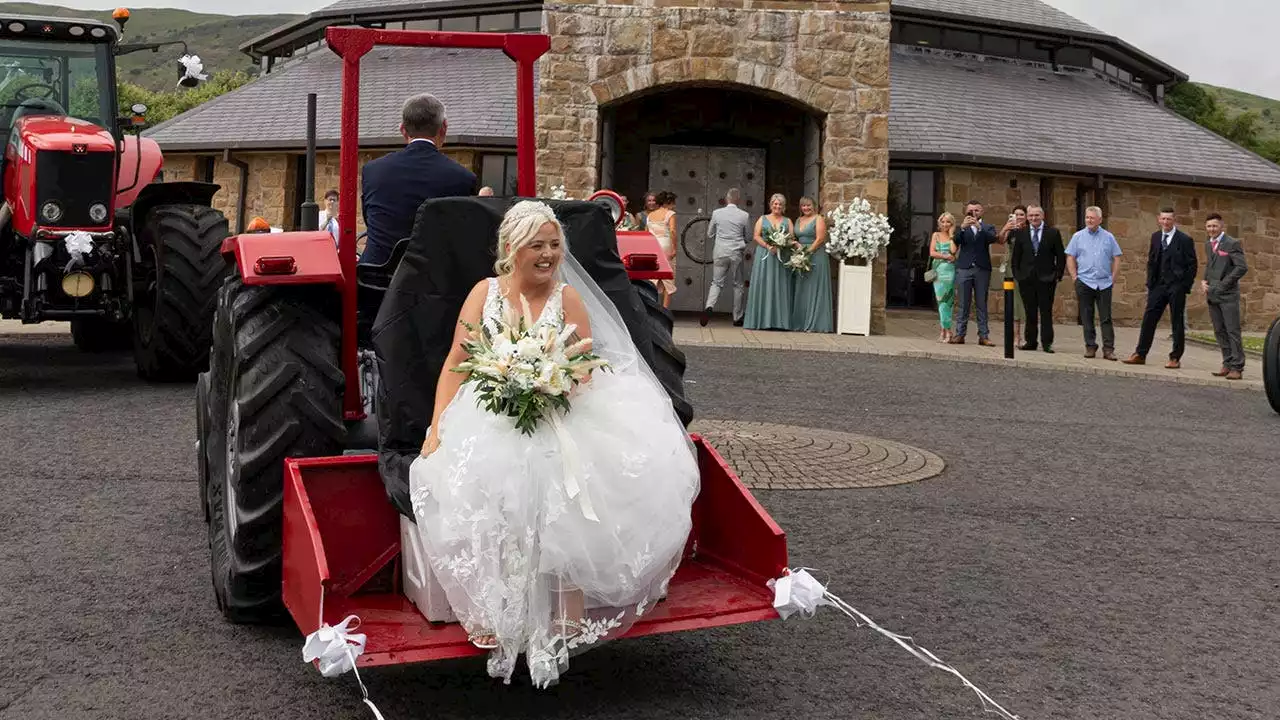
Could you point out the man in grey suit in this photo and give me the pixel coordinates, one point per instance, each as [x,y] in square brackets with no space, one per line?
[730,228]
[1221,285]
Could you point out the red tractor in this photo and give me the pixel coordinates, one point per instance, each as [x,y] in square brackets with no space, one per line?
[321,383]
[88,234]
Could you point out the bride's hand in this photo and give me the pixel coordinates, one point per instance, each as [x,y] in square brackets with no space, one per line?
[431,444]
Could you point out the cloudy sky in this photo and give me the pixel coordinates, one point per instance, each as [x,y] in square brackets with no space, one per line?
[1223,42]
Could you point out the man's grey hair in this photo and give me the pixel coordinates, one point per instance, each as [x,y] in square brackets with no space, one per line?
[733,196]
[1093,209]
[1034,207]
[423,116]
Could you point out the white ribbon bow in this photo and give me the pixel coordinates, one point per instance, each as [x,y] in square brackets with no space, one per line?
[572,469]
[337,648]
[192,68]
[79,243]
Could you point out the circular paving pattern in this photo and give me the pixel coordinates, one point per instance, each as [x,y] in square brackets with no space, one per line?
[786,457]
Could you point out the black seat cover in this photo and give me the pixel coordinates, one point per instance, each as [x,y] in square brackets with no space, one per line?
[453,247]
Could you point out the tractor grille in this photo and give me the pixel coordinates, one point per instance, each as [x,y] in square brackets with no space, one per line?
[76,182]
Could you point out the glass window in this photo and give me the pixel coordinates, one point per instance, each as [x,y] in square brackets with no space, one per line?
[499,173]
[73,76]
[996,45]
[531,20]
[922,192]
[1030,50]
[502,22]
[1078,57]
[921,35]
[422,25]
[963,41]
[459,24]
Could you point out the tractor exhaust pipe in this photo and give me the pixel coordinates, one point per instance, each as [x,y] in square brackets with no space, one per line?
[310,210]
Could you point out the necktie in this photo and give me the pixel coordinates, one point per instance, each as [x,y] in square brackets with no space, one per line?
[1035,240]
[1166,241]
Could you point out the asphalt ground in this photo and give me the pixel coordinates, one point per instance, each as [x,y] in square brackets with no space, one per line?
[1096,548]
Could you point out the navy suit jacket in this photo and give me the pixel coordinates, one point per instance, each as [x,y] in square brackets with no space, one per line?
[393,186]
[975,251]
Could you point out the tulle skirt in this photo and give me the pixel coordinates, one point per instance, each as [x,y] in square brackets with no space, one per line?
[516,526]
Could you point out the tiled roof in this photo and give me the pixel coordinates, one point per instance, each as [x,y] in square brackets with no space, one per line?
[1036,118]
[476,86]
[1023,12]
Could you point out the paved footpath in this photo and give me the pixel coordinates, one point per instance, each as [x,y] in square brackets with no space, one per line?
[915,334]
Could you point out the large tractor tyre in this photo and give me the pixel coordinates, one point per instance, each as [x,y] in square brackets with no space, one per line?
[182,270]
[668,360]
[1271,365]
[211,406]
[96,335]
[281,391]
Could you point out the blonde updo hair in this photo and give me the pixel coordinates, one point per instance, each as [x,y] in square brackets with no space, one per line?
[778,196]
[519,226]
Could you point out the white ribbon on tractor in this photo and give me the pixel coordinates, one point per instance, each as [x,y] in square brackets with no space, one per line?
[192,68]
[799,592]
[78,243]
[336,648]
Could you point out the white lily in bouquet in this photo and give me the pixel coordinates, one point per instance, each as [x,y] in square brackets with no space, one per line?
[526,372]
[779,238]
[857,231]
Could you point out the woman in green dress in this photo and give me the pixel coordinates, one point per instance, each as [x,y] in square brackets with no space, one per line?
[772,285]
[942,248]
[811,304]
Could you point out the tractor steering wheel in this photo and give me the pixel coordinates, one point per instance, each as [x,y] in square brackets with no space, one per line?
[50,93]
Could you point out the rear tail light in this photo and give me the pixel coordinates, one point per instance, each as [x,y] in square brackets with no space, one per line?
[641,261]
[280,265]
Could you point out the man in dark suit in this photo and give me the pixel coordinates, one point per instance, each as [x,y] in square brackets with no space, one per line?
[1222,272]
[973,271]
[1039,261]
[394,185]
[1171,273]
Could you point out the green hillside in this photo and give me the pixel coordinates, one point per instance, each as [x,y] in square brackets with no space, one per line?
[1235,102]
[215,38]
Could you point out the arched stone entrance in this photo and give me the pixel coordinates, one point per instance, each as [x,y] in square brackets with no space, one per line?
[699,140]
[828,61]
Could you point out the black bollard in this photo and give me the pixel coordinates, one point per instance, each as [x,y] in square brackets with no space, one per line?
[1008,319]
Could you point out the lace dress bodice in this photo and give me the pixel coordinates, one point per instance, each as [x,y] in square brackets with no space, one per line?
[495,304]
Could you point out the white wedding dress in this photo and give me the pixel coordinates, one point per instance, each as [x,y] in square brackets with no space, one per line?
[597,500]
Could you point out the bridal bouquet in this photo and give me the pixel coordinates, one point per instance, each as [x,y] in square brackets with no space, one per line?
[525,372]
[777,237]
[857,231]
[800,260]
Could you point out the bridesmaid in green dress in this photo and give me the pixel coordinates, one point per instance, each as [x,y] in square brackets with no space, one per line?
[942,248]
[811,304]
[769,300]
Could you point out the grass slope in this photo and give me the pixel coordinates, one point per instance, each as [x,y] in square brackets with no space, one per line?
[1235,102]
[215,38]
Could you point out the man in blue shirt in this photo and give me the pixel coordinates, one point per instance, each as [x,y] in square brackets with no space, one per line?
[1093,258]
[973,270]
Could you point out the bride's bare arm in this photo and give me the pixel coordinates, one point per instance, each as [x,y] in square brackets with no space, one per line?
[575,313]
[448,383]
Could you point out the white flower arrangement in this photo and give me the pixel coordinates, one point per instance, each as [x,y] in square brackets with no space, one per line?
[526,372]
[857,231]
[558,192]
[778,237]
[800,260]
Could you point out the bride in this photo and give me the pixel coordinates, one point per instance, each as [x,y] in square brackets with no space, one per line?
[553,543]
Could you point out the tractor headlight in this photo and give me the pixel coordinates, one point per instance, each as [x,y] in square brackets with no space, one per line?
[51,212]
[98,212]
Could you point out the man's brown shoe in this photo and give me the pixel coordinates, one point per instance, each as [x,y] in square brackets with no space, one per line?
[985,342]
[1234,375]
[1173,364]
[1091,352]
[1135,359]
[1221,372]
[957,340]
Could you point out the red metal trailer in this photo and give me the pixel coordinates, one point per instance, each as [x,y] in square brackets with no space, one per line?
[296,523]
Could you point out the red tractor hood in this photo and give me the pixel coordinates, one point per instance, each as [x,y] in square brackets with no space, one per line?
[58,132]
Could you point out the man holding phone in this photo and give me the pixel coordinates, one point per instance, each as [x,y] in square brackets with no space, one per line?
[973,271]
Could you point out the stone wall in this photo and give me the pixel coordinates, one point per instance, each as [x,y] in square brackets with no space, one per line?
[1130,211]
[271,188]
[832,58]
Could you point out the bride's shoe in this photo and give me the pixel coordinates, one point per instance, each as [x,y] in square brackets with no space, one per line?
[485,640]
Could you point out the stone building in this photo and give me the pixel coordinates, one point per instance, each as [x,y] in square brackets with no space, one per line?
[918,107]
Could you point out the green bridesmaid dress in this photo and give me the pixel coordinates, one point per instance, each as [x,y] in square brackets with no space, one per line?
[772,286]
[811,304]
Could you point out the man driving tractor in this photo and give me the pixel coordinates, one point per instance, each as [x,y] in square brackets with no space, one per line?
[395,185]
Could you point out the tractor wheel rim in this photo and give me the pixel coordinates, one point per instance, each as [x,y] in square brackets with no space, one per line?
[231,473]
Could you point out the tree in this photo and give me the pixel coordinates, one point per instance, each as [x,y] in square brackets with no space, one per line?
[1200,106]
[164,105]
